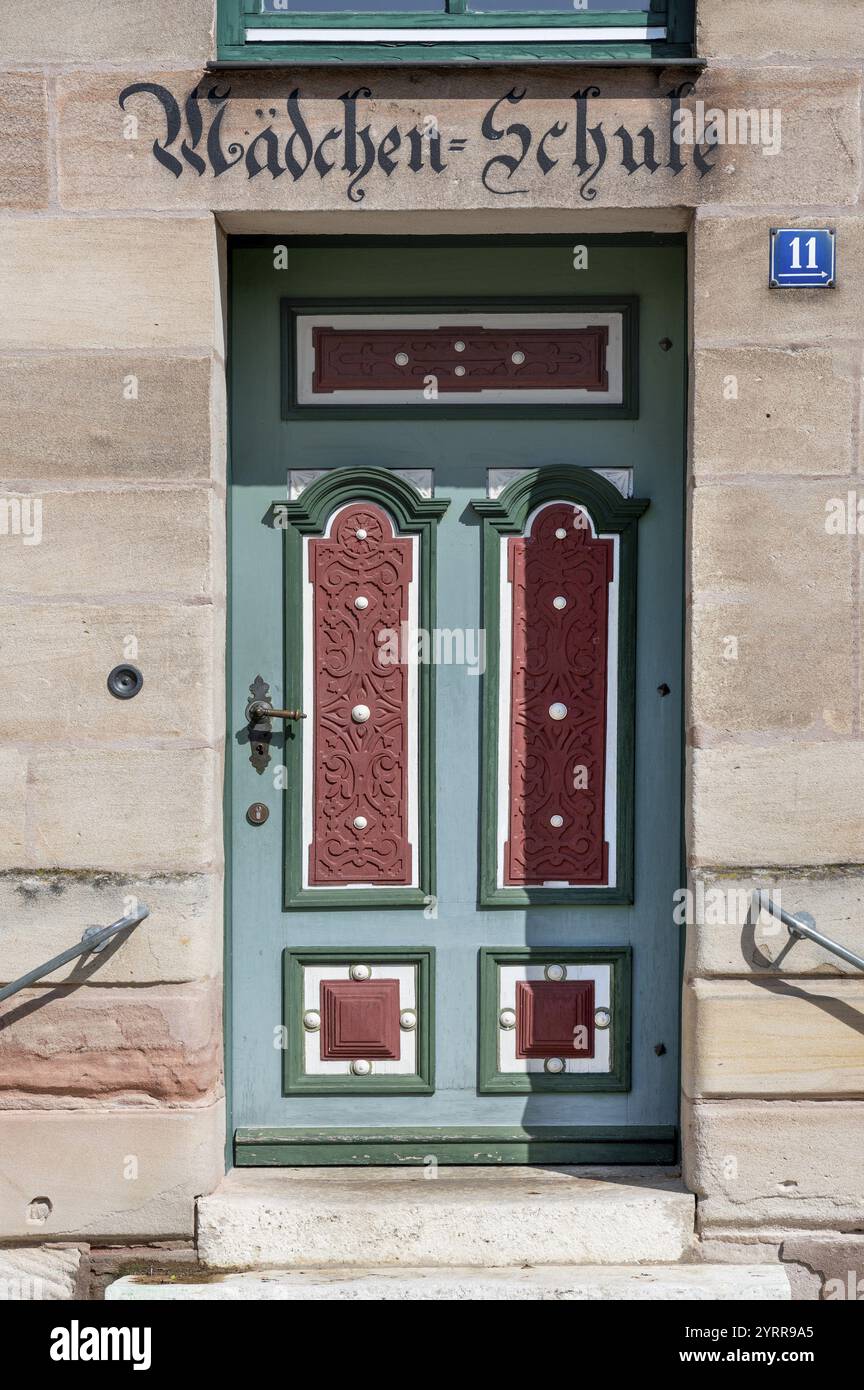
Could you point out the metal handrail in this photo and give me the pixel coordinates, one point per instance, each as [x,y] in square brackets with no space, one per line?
[94,939]
[797,927]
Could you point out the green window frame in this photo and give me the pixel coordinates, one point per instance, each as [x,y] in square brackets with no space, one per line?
[454,34]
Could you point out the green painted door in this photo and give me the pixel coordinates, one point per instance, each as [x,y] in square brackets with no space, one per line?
[451,883]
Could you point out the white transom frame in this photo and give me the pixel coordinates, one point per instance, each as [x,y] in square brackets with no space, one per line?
[505,670]
[312,977]
[508,978]
[613,395]
[309,704]
[390,33]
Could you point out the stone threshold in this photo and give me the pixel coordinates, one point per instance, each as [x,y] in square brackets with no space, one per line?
[574,1283]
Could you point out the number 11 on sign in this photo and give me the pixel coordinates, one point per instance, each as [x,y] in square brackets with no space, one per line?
[802,258]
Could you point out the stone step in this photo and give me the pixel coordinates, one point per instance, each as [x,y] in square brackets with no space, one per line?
[293,1218]
[573,1283]
[33,1273]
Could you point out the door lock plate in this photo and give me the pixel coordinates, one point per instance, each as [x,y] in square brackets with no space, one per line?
[260,727]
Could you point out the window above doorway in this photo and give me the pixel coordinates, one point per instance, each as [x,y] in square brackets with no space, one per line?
[253,32]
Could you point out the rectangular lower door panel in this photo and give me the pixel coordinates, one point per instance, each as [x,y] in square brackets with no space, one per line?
[555,1019]
[358,1021]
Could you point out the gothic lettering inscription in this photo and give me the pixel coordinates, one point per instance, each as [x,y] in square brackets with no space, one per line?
[195,138]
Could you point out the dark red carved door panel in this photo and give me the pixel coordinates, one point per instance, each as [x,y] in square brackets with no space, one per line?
[361,575]
[560,575]
[461,358]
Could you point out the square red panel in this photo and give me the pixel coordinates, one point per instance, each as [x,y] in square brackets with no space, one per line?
[360,1018]
[548,1015]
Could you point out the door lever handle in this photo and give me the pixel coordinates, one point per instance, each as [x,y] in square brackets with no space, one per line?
[260,709]
[259,713]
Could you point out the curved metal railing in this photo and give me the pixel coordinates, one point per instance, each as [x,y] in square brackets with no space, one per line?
[798,927]
[94,939]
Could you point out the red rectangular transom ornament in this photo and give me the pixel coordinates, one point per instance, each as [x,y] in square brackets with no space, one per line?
[460,359]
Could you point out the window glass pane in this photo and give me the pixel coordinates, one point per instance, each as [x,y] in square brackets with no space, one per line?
[352,6]
[638,8]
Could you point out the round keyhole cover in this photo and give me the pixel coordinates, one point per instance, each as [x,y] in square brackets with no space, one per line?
[257,813]
[125,681]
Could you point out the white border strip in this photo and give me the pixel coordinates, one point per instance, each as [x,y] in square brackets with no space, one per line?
[458,34]
[513,395]
[381,1066]
[505,649]
[309,673]
[508,978]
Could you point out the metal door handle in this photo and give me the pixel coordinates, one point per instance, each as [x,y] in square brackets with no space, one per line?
[259,713]
[259,709]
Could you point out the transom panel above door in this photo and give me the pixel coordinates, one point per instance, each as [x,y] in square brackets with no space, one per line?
[453,934]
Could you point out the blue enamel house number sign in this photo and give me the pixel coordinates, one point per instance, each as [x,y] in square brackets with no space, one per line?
[802,258]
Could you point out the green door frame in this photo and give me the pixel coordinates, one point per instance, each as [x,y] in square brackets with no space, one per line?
[260,1146]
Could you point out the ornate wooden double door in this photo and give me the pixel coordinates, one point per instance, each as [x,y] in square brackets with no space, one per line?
[455,700]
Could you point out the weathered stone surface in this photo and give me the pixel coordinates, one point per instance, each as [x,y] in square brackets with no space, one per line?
[744,1248]
[297,1217]
[756,552]
[731,298]
[13,776]
[107,31]
[773,1038]
[721,942]
[774,410]
[121,1173]
[775,1164]
[162,1042]
[816,122]
[107,282]
[119,543]
[779,29]
[63,654]
[24,148]
[68,416]
[42,914]
[834,1263]
[42,1274]
[572,1283]
[104,163]
[791,803]
[148,810]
